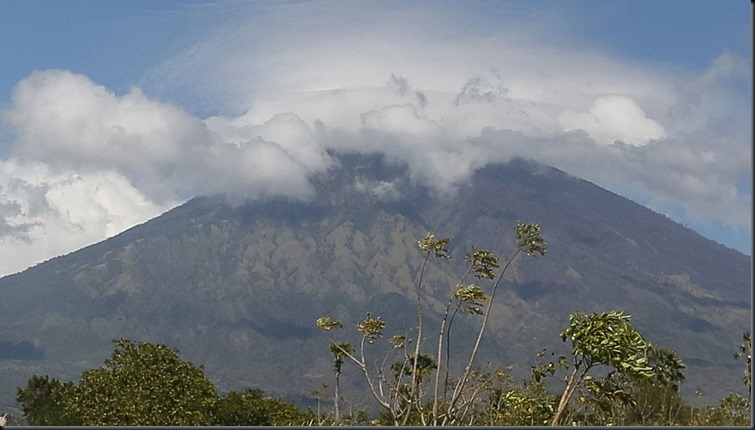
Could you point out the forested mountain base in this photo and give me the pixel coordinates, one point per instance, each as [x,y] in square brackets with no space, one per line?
[148,384]
[613,376]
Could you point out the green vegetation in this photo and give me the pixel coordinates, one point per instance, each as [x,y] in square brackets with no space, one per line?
[451,398]
[640,387]
[43,401]
[602,339]
[745,350]
[146,384]
[143,384]
[252,408]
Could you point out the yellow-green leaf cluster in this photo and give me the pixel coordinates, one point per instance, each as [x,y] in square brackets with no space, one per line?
[529,240]
[471,296]
[327,323]
[436,246]
[371,328]
[483,262]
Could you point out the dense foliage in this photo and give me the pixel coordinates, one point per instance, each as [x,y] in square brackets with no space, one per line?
[143,384]
[154,395]
[43,401]
[146,384]
[252,408]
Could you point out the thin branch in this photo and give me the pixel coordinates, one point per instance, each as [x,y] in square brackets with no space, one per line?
[419,334]
[463,380]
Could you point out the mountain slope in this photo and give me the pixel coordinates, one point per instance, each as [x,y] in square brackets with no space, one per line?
[238,288]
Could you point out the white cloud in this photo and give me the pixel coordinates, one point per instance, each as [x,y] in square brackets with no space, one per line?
[402,121]
[69,122]
[64,210]
[613,118]
[424,86]
[65,119]
[383,190]
[287,130]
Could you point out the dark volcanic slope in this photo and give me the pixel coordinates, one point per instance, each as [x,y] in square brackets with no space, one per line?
[238,289]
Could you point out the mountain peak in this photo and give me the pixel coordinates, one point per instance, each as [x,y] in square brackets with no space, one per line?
[238,287]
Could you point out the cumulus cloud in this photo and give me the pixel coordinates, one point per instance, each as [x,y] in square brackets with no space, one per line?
[384,190]
[402,121]
[613,118]
[63,118]
[68,122]
[58,212]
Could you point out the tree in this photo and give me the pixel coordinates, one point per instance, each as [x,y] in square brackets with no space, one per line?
[606,338]
[622,399]
[734,409]
[529,404]
[625,398]
[668,368]
[482,263]
[452,398]
[338,350]
[143,384]
[745,349]
[42,402]
[251,408]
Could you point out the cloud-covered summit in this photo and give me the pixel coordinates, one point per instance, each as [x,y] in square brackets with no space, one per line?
[286,82]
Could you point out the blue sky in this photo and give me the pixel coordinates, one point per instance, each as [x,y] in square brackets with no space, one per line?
[106,106]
